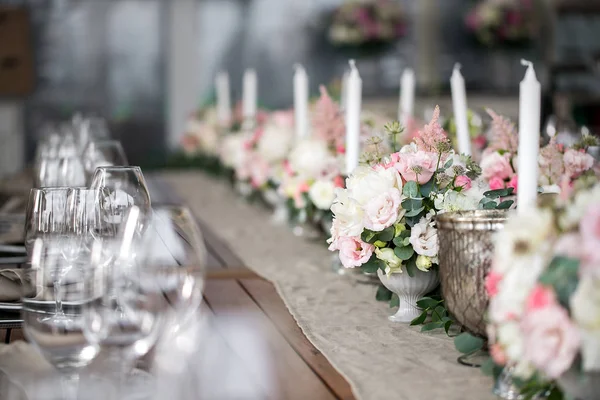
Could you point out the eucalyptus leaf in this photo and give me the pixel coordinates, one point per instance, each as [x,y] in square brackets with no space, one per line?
[411,266]
[494,194]
[387,234]
[414,212]
[395,301]
[489,206]
[404,253]
[411,204]
[487,367]
[431,326]
[373,265]
[447,326]
[426,188]
[466,343]
[563,275]
[448,163]
[410,189]
[427,302]
[505,205]
[369,236]
[420,319]
[399,241]
[406,241]
[383,294]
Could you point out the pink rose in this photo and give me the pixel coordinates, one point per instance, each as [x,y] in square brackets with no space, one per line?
[491,283]
[540,297]
[496,183]
[550,339]
[495,165]
[382,211]
[394,158]
[514,183]
[577,162]
[498,354]
[259,171]
[353,251]
[338,181]
[418,166]
[463,182]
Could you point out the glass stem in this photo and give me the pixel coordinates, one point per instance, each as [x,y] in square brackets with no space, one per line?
[58,297]
[70,386]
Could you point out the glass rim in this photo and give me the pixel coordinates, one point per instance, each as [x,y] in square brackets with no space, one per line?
[118,167]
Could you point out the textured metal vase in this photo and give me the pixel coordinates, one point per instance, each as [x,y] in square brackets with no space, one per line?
[466,252]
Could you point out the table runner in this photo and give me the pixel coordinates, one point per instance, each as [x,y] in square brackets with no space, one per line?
[338,314]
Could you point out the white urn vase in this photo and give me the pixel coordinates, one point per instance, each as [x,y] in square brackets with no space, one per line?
[409,290]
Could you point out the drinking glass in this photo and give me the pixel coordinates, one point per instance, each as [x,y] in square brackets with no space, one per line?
[46,214]
[59,339]
[103,153]
[127,188]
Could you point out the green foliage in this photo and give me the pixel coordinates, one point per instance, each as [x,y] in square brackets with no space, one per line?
[373,265]
[494,194]
[562,276]
[411,189]
[492,199]
[395,301]
[387,234]
[411,267]
[466,343]
[426,188]
[434,312]
[383,294]
[404,253]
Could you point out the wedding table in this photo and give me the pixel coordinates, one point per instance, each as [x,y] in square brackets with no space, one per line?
[284,325]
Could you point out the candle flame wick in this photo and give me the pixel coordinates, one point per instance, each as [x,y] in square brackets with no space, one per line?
[352,64]
[526,63]
[457,66]
[297,66]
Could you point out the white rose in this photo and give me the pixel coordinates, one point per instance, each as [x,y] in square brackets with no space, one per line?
[366,183]
[392,262]
[309,157]
[423,237]
[348,213]
[574,212]
[232,150]
[511,339]
[322,194]
[275,143]
[585,308]
[209,139]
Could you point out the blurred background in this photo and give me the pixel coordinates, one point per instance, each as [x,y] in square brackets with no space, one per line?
[145,65]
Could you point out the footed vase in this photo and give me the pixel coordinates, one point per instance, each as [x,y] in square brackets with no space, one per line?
[409,290]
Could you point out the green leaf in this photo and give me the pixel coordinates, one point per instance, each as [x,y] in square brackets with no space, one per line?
[369,236]
[494,194]
[441,311]
[505,205]
[448,163]
[488,366]
[426,188]
[404,253]
[405,234]
[431,326]
[489,206]
[410,189]
[447,326]
[427,302]
[387,234]
[406,241]
[466,343]
[555,394]
[373,265]
[562,275]
[395,301]
[415,212]
[420,319]
[383,294]
[411,266]
[411,204]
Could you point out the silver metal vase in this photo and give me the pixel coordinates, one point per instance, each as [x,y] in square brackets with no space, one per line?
[465,258]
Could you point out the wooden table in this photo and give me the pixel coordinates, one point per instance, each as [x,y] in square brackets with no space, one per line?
[235,295]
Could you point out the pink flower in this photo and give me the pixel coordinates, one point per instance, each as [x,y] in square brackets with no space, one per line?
[338,181]
[550,339]
[418,166]
[540,297]
[496,183]
[432,134]
[491,283]
[514,183]
[353,251]
[495,165]
[577,162]
[504,134]
[498,354]
[259,171]
[463,182]
[383,210]
[328,122]
[394,158]
[283,118]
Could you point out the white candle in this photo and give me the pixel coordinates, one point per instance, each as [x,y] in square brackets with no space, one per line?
[249,96]
[530,97]
[301,102]
[223,98]
[353,109]
[459,103]
[344,91]
[407,95]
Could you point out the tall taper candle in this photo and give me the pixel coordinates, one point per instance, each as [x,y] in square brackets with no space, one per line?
[249,95]
[407,95]
[223,98]
[301,102]
[353,109]
[530,97]
[459,103]
[344,91]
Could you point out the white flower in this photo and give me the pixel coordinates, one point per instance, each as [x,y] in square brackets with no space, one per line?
[275,143]
[366,183]
[392,262]
[455,201]
[232,150]
[348,214]
[424,263]
[585,308]
[511,339]
[409,148]
[423,237]
[574,212]
[309,157]
[322,194]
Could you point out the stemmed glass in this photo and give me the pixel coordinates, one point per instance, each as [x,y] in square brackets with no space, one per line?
[103,153]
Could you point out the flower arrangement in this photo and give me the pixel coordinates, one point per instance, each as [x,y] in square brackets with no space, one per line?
[544,308]
[559,166]
[384,217]
[497,22]
[476,132]
[358,23]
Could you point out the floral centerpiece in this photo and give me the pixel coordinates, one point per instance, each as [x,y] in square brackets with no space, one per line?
[476,132]
[544,286]
[359,23]
[559,166]
[383,220]
[497,22]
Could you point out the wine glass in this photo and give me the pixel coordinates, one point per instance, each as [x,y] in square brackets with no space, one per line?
[103,153]
[71,171]
[60,340]
[127,187]
[46,214]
